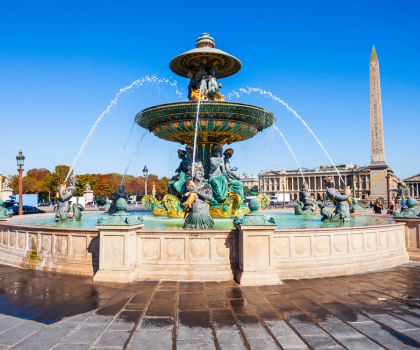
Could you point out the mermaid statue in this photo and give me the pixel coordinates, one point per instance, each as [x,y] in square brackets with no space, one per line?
[341,202]
[234,184]
[117,195]
[4,212]
[194,202]
[64,195]
[305,205]
[218,176]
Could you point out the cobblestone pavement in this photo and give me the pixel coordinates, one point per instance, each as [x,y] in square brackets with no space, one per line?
[359,312]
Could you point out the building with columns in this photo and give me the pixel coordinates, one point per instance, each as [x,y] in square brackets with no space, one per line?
[291,181]
[414,183]
[251,181]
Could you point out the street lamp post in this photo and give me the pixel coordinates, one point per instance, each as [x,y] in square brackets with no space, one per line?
[145,174]
[284,198]
[20,159]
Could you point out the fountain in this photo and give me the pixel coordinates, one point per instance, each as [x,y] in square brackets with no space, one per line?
[206,125]
[203,230]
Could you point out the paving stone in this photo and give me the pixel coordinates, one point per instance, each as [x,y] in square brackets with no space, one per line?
[230,340]
[262,343]
[321,341]
[309,329]
[150,340]
[192,301]
[161,308]
[156,324]
[125,321]
[362,344]
[223,320]
[414,334]
[252,326]
[9,322]
[45,339]
[389,338]
[393,322]
[285,335]
[199,344]
[22,331]
[88,331]
[194,325]
[71,347]
[413,318]
[71,322]
[340,330]
[114,338]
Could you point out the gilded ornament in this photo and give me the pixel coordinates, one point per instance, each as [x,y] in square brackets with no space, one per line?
[149,201]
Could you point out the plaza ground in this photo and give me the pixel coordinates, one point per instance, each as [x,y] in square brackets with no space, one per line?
[378,310]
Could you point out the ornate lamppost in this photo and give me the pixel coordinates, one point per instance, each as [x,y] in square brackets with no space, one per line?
[20,159]
[145,174]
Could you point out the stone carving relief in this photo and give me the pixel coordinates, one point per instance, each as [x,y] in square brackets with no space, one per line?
[150,249]
[302,245]
[223,248]
[21,240]
[61,245]
[281,246]
[12,239]
[340,243]
[382,239]
[371,240]
[174,248]
[357,242]
[200,248]
[393,238]
[46,244]
[322,244]
[78,245]
[32,241]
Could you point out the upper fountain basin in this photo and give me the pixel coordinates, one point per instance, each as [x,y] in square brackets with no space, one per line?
[219,122]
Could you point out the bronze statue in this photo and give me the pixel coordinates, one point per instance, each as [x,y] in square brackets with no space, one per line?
[341,201]
[305,206]
[117,195]
[63,207]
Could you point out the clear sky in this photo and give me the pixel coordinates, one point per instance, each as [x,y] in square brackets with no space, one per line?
[62,63]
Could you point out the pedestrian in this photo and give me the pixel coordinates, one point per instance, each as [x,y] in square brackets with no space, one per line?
[371,203]
[377,207]
[403,204]
[391,209]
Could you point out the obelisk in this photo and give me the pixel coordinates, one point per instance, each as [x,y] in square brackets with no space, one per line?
[378,166]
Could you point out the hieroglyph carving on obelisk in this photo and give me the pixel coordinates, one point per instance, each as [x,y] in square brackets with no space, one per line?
[376,126]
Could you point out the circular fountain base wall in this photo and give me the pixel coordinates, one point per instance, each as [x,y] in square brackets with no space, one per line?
[206,255]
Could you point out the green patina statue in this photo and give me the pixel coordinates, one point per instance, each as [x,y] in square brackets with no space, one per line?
[341,202]
[115,197]
[106,206]
[254,218]
[64,195]
[412,210]
[5,213]
[120,217]
[194,202]
[355,206]
[305,206]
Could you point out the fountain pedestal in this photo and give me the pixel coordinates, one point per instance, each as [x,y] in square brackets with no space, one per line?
[256,256]
[412,236]
[117,254]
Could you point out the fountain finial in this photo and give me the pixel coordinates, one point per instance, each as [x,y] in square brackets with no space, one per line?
[205,40]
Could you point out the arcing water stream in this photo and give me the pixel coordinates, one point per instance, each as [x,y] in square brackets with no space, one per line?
[202,86]
[135,151]
[290,148]
[275,98]
[138,82]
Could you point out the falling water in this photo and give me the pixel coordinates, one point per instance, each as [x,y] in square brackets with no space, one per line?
[290,148]
[202,86]
[138,82]
[275,98]
[135,151]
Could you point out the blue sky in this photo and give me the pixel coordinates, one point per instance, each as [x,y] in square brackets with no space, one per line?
[61,65]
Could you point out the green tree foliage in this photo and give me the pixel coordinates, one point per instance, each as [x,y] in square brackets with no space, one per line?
[247,191]
[106,186]
[83,180]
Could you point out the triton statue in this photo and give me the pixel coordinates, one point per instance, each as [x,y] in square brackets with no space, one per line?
[305,205]
[193,85]
[212,87]
[194,202]
[412,210]
[115,197]
[5,213]
[218,176]
[64,195]
[235,185]
[341,202]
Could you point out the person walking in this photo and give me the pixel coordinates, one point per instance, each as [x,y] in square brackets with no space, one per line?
[377,208]
[371,203]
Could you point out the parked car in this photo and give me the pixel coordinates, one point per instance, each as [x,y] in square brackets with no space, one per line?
[27,209]
[44,204]
[100,202]
[9,203]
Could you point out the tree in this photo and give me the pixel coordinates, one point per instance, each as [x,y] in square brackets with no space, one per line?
[247,191]
[38,173]
[106,185]
[82,181]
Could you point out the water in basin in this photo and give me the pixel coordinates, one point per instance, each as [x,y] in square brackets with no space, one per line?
[283,220]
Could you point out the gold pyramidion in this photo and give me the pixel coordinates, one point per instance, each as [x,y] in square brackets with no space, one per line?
[373,56]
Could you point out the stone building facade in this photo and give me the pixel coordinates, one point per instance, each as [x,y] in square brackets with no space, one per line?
[414,183]
[358,178]
[251,181]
